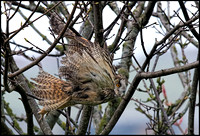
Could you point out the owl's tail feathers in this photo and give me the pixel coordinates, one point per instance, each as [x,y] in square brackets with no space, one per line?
[48,87]
[53,93]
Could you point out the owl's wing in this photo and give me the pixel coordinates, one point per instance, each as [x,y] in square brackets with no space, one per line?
[53,92]
[81,53]
[103,59]
[85,63]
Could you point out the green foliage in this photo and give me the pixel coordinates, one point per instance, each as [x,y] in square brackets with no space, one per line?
[36,129]
[160,82]
[143,112]
[31,86]
[112,47]
[63,125]
[8,109]
[112,106]
[12,115]
[175,50]
[16,124]
[43,37]
[59,48]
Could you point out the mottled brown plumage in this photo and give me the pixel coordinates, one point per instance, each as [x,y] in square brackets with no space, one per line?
[87,68]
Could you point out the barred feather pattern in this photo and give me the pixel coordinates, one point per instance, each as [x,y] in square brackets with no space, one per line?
[51,90]
[80,44]
[82,62]
[87,68]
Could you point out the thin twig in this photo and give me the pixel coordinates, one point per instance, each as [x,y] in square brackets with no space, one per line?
[15,11]
[162,108]
[24,25]
[34,45]
[184,10]
[142,43]
[27,48]
[49,49]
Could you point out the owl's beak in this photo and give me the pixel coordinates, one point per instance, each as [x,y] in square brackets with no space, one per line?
[117,92]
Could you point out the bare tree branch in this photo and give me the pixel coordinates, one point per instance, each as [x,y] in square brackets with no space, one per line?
[147,13]
[169,71]
[120,109]
[131,18]
[24,25]
[48,50]
[191,117]
[194,32]
[21,82]
[98,24]
[85,117]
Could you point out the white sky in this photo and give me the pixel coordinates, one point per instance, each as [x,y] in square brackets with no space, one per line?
[42,25]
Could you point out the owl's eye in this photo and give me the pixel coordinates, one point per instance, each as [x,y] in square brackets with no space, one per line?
[118,84]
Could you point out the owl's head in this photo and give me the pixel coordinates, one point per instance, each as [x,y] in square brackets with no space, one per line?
[120,85]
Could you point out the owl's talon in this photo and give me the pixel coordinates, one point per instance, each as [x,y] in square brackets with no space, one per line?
[42,112]
[41,118]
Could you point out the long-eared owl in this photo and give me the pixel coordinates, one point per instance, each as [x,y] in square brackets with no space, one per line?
[90,77]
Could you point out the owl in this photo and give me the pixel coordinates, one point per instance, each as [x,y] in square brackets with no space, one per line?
[88,76]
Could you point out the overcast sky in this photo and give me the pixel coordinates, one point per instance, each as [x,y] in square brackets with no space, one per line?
[149,34]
